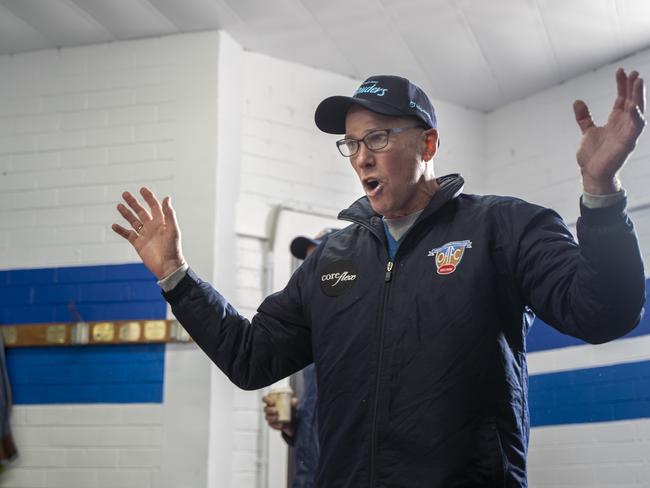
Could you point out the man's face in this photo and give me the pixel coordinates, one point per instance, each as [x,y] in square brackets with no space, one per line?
[392,177]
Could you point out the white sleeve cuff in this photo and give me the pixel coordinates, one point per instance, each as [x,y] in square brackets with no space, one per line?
[170,281]
[590,200]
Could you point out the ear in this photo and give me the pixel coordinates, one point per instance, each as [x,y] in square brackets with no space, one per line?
[430,144]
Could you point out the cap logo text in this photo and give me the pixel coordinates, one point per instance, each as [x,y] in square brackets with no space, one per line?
[372,88]
[414,105]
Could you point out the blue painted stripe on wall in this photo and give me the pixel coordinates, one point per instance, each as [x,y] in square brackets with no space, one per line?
[542,336]
[605,394]
[114,292]
[90,374]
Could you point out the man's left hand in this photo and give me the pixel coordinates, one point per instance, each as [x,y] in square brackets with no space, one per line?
[604,150]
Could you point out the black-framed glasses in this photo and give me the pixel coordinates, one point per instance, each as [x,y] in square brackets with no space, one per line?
[374,141]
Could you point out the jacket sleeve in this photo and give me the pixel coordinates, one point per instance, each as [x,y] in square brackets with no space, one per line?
[289,439]
[253,354]
[594,291]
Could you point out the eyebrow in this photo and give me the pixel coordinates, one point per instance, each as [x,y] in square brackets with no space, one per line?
[366,132]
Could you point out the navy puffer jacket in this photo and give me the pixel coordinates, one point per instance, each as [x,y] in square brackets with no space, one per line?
[421,360]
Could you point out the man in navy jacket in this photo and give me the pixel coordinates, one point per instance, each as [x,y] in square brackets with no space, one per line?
[416,314]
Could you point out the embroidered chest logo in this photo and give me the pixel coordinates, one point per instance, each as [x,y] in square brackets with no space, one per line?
[338,277]
[448,256]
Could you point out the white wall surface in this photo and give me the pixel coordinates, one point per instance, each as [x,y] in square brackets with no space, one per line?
[603,454]
[79,126]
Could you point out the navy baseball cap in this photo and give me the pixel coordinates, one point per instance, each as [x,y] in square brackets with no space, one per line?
[383,94]
[300,244]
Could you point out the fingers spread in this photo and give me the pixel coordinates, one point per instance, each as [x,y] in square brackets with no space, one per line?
[621,83]
[170,216]
[632,77]
[638,94]
[154,204]
[129,235]
[140,211]
[583,117]
[130,217]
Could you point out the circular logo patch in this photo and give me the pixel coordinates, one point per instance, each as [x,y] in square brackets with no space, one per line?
[338,277]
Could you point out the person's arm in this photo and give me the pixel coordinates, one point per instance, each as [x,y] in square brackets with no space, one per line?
[168,283]
[253,354]
[595,291]
[276,343]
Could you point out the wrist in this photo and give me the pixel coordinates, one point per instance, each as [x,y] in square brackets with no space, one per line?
[170,267]
[601,187]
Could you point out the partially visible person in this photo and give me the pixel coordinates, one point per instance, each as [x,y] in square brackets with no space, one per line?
[302,432]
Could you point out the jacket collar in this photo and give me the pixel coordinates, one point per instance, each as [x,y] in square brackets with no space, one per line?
[450,186]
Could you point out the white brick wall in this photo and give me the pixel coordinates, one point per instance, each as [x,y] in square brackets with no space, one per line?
[79,126]
[594,455]
[96,446]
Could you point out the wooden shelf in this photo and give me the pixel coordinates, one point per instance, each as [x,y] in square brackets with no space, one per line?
[94,333]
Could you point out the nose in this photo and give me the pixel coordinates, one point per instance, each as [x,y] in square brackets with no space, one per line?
[364,158]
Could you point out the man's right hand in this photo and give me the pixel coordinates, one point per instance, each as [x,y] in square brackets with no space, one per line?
[156,236]
[271,415]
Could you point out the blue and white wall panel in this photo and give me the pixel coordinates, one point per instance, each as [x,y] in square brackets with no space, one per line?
[590,409]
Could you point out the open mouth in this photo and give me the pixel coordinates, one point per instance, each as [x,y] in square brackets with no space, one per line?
[371,185]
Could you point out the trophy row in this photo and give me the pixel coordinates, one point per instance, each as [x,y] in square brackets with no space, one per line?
[79,333]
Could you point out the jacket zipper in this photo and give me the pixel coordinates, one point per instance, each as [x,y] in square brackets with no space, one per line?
[388,276]
[373,427]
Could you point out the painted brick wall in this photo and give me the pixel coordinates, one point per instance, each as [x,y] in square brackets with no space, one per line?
[575,388]
[79,126]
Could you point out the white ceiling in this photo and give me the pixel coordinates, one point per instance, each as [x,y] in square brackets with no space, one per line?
[476,53]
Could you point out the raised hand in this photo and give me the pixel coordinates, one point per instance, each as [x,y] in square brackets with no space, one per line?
[156,236]
[604,150]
